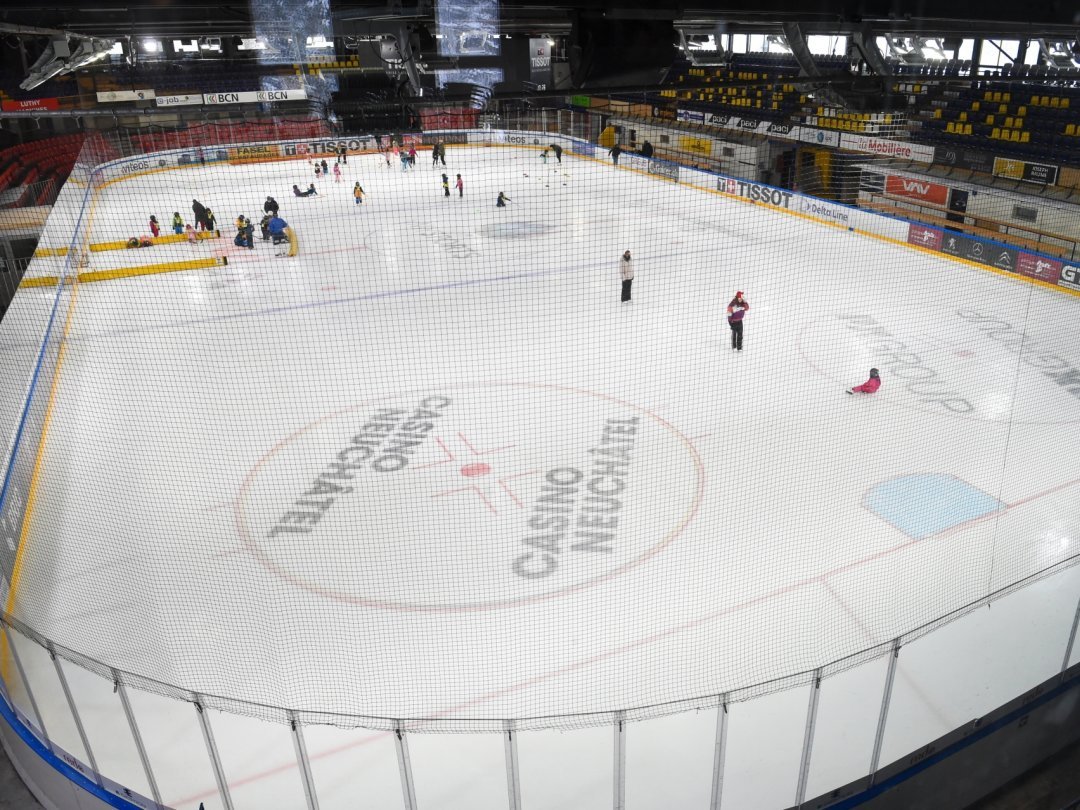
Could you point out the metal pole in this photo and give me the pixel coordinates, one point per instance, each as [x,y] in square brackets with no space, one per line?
[808,738]
[620,761]
[215,760]
[121,690]
[405,769]
[1072,639]
[883,717]
[26,686]
[74,712]
[303,763]
[719,754]
[513,774]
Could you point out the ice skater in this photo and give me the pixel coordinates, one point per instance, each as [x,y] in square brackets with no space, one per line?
[177,223]
[279,232]
[543,156]
[626,273]
[558,152]
[325,168]
[736,311]
[614,152]
[502,200]
[192,237]
[337,172]
[155,229]
[868,387]
[211,220]
[357,194]
[460,186]
[199,210]
[446,186]
[271,205]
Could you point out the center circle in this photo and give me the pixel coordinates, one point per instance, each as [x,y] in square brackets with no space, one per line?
[470,497]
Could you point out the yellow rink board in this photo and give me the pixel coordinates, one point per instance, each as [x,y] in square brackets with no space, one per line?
[129,272]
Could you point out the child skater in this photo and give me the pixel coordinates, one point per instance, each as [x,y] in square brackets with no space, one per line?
[358,194]
[460,186]
[446,186]
[502,201]
[337,173]
[155,229]
[192,237]
[870,386]
[177,223]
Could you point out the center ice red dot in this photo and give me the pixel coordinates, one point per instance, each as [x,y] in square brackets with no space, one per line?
[473,470]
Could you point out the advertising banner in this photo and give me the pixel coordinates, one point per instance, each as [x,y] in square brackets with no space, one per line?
[922,190]
[125,95]
[254,97]
[1042,174]
[583,148]
[837,214]
[664,169]
[247,154]
[980,250]
[822,137]
[539,63]
[178,100]
[1070,277]
[904,150]
[10,105]
[971,159]
[924,236]
[716,120]
[690,115]
[696,146]
[1040,267]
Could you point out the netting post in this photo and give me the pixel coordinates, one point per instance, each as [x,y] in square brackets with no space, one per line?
[121,691]
[1072,639]
[215,759]
[74,711]
[719,754]
[408,791]
[513,775]
[808,738]
[620,761]
[883,717]
[303,763]
[26,686]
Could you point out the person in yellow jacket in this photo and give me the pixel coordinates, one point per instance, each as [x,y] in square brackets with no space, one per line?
[358,194]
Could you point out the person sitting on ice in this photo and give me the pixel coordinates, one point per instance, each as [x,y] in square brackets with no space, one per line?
[868,387]
[140,242]
[311,190]
[502,201]
[298,193]
[245,233]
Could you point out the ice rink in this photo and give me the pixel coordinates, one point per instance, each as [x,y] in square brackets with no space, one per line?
[432,467]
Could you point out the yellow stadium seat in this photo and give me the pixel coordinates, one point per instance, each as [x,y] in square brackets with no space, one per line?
[1070,129]
[1044,101]
[1025,137]
[1055,102]
[1018,123]
[1006,97]
[1021,111]
[1003,108]
[995,133]
[989,120]
[974,105]
[1008,123]
[963,116]
[1034,101]
[1064,104]
[937,113]
[1015,136]
[988,96]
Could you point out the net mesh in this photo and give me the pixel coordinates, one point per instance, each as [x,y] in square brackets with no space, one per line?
[410,454]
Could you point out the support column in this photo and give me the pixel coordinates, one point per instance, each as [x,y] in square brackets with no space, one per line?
[883,716]
[408,790]
[808,738]
[719,754]
[620,762]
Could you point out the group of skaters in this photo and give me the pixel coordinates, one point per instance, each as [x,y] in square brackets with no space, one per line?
[736,315]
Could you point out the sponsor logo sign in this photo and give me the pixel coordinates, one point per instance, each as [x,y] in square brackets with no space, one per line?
[664,169]
[963,158]
[765,194]
[10,105]
[540,63]
[332,146]
[690,115]
[748,123]
[1042,174]
[583,148]
[980,250]
[262,152]
[923,190]
[126,95]
[254,97]
[925,237]
[202,156]
[1070,277]
[1040,267]
[717,120]
[697,146]
[630,160]
[179,100]
[833,213]
[886,148]
[821,137]
[779,129]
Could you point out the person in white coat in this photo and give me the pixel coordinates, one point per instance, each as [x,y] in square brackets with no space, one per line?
[626,273]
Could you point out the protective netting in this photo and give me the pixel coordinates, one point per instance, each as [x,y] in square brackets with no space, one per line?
[407,455]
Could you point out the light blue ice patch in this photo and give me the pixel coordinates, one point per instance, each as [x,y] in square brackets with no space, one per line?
[927,503]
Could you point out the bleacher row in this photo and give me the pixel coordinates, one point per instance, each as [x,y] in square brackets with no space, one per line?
[39,168]
[776,97]
[1028,120]
[210,134]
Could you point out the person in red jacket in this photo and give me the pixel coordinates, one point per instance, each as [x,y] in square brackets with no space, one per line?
[155,229]
[870,386]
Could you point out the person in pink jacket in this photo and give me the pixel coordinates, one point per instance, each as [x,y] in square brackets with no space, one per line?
[870,386]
